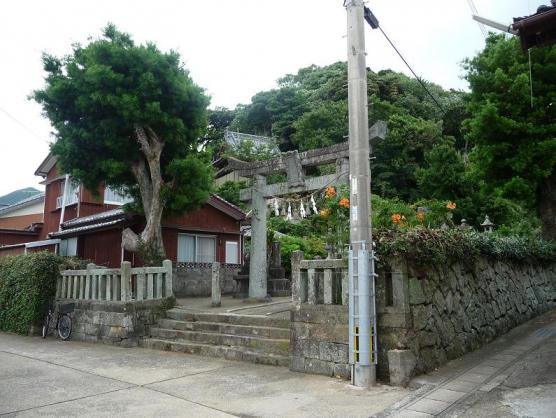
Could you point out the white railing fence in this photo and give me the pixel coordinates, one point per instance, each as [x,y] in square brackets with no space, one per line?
[123,284]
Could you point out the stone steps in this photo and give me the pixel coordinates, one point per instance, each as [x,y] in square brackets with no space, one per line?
[246,330]
[255,338]
[227,318]
[228,353]
[263,345]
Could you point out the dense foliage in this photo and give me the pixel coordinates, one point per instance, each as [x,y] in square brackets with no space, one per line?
[436,246]
[514,138]
[129,116]
[27,286]
[488,150]
[425,232]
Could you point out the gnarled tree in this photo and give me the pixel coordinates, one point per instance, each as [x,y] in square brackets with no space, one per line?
[129,116]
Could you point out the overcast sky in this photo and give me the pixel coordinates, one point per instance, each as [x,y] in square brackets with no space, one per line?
[233,48]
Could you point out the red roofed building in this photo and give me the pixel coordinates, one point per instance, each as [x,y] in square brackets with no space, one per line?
[78,223]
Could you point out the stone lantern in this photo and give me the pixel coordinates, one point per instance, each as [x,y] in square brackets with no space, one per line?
[487,224]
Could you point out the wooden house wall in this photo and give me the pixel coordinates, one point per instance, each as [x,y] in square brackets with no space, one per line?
[20,222]
[88,204]
[16,237]
[4,251]
[102,247]
[207,218]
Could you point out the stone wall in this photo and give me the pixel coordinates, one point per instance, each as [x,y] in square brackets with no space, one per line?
[116,323]
[439,313]
[195,279]
[319,340]
[426,316]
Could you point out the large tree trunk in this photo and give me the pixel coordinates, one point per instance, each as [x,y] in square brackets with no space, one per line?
[547,207]
[148,244]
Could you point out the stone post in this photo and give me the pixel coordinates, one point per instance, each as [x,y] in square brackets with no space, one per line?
[126,281]
[276,256]
[401,364]
[257,267]
[167,264]
[311,286]
[327,286]
[215,294]
[88,281]
[296,258]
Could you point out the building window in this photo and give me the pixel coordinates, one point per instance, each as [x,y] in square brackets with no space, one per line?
[68,247]
[115,197]
[232,252]
[196,248]
[73,194]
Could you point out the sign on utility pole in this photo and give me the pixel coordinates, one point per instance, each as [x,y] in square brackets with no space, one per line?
[362,312]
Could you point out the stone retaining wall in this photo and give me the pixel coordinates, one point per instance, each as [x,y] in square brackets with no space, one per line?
[443,312]
[319,340]
[116,323]
[195,279]
[426,316]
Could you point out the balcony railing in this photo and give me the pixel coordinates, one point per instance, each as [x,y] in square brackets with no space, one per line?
[70,199]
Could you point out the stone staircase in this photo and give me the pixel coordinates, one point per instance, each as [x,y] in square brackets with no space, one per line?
[253,338]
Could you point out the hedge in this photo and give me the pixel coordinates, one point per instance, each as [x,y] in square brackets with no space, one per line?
[436,246]
[27,286]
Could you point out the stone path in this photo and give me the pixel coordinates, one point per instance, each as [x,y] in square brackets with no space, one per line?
[278,308]
[478,372]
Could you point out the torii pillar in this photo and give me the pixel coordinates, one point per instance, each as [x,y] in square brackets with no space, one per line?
[257,260]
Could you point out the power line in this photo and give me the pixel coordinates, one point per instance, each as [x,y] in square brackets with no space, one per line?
[413,72]
[13,118]
[476,13]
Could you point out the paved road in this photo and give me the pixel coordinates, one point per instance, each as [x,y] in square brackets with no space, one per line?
[515,376]
[48,378]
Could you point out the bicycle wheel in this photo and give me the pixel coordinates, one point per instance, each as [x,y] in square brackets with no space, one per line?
[45,323]
[64,326]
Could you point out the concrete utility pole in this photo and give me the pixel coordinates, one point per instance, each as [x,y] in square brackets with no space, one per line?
[361,300]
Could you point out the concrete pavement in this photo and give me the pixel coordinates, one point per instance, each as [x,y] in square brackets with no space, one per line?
[514,376]
[54,378]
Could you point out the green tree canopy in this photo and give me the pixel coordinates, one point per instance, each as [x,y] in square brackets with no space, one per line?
[515,140]
[131,117]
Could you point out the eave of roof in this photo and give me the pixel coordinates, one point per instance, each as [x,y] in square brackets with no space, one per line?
[46,165]
[95,218]
[86,228]
[228,208]
[18,232]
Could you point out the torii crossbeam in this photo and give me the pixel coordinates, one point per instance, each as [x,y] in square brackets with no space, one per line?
[293,163]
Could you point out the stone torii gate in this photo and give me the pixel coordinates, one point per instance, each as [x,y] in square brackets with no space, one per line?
[294,164]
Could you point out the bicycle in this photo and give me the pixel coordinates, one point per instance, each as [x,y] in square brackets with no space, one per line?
[63,321]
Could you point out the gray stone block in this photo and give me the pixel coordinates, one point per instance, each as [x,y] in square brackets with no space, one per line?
[319,367]
[401,365]
[342,371]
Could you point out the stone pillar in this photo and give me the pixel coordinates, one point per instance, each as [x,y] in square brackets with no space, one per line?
[401,364]
[216,294]
[296,258]
[125,281]
[328,286]
[257,267]
[167,264]
[276,256]
[311,286]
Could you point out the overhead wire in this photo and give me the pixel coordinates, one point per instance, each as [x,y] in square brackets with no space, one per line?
[475,12]
[413,72]
[13,118]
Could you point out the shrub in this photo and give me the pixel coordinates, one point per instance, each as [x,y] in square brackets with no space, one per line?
[311,246]
[436,246]
[27,286]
